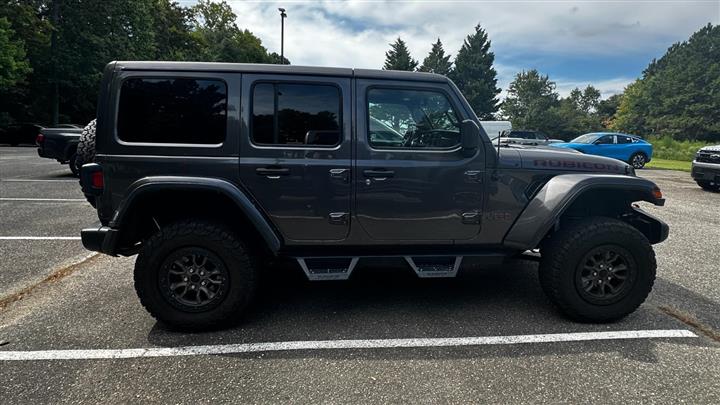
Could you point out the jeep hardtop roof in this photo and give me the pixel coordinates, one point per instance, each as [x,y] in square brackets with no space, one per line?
[279,69]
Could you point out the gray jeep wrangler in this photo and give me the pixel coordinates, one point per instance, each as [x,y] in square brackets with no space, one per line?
[205,170]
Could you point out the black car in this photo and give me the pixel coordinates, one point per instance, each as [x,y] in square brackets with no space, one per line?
[17,134]
[205,170]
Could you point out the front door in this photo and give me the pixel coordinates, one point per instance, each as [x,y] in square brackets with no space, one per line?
[413,182]
[296,153]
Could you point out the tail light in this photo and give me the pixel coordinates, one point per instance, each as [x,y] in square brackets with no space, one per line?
[97,180]
[40,139]
[92,179]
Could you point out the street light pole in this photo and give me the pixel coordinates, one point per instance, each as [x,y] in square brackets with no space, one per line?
[282,35]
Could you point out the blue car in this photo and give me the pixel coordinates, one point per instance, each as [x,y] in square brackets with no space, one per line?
[628,148]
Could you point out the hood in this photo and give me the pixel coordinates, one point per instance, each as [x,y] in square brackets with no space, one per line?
[562,144]
[561,161]
[711,148]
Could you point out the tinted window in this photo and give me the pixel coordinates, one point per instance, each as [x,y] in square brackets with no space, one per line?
[416,119]
[604,140]
[296,114]
[172,110]
[624,139]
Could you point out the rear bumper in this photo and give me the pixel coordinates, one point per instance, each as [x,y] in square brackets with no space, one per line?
[705,171]
[100,239]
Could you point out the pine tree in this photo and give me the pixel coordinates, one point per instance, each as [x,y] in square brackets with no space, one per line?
[475,76]
[437,61]
[398,57]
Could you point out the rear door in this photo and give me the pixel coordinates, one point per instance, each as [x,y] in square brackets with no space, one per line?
[295,153]
[413,182]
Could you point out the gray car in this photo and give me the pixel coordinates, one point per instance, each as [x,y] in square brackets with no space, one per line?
[526,137]
[207,170]
[706,168]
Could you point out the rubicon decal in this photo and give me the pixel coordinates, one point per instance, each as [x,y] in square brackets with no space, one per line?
[571,164]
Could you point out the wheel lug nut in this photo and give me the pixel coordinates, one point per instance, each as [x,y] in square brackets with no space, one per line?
[192,287]
[185,279]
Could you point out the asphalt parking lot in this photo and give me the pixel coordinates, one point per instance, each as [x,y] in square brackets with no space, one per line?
[71,300]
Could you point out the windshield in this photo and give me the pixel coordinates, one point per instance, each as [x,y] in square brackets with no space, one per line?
[587,138]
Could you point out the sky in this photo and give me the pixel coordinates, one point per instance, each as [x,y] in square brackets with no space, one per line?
[603,43]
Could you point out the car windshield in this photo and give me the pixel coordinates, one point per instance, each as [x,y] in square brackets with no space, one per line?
[587,138]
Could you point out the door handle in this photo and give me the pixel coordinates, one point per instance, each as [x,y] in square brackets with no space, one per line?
[272,172]
[378,174]
[340,174]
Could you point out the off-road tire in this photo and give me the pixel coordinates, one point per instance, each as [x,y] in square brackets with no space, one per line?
[86,145]
[562,261]
[706,185]
[85,152]
[638,160]
[240,266]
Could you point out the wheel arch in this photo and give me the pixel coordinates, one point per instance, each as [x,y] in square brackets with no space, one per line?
[154,201]
[580,195]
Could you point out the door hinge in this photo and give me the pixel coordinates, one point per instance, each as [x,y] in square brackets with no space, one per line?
[338,218]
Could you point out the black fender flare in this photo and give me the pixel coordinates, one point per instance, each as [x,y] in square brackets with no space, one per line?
[163,183]
[551,201]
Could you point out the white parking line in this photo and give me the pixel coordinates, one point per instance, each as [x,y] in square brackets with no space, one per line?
[39,238]
[44,199]
[337,344]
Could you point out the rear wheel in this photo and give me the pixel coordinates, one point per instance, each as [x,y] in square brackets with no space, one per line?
[195,275]
[709,185]
[72,163]
[638,160]
[597,270]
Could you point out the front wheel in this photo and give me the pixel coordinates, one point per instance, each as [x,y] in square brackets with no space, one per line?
[195,275]
[638,160]
[597,270]
[708,185]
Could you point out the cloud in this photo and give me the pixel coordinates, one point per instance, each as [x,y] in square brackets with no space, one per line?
[524,34]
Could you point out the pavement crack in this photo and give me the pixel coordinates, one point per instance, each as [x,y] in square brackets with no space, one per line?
[687,319]
[52,278]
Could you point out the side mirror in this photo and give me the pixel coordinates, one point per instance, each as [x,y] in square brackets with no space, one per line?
[469,137]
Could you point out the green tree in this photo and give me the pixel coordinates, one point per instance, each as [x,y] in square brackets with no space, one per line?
[607,108]
[576,114]
[530,101]
[220,38]
[171,26]
[27,99]
[398,57]
[91,33]
[437,61]
[13,60]
[678,94]
[475,76]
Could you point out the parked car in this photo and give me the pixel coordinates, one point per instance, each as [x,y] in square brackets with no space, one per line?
[494,128]
[525,137]
[628,148]
[706,168]
[60,143]
[17,134]
[206,170]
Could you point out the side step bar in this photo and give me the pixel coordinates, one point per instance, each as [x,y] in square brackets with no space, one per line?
[434,266]
[340,268]
[327,268]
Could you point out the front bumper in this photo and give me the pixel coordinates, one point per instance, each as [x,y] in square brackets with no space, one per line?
[706,171]
[100,239]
